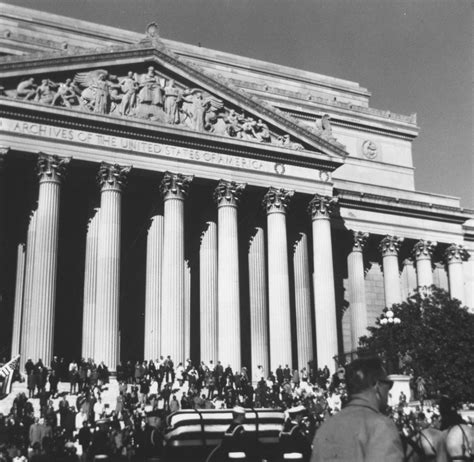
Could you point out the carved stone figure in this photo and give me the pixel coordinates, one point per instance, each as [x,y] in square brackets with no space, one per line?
[129,87]
[193,109]
[248,129]
[65,95]
[324,129]
[150,97]
[171,94]
[262,132]
[101,102]
[287,143]
[26,89]
[96,95]
[233,124]
[45,92]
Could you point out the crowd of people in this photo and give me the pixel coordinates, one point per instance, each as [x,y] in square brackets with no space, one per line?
[79,424]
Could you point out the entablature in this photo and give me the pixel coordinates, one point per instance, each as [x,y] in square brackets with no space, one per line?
[148,131]
[402,207]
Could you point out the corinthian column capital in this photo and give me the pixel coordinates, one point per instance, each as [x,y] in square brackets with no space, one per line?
[456,253]
[276,200]
[51,169]
[175,185]
[390,245]
[359,240]
[423,250]
[322,206]
[228,193]
[112,177]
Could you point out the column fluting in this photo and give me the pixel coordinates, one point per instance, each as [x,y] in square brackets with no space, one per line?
[304,323]
[111,179]
[321,208]
[422,251]
[18,307]
[187,310]
[28,289]
[408,278]
[227,196]
[174,188]
[90,285]
[39,340]
[455,254]
[275,202]
[154,274]
[208,292]
[389,247]
[356,280]
[258,304]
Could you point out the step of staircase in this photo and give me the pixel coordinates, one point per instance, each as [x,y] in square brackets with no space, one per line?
[108,395]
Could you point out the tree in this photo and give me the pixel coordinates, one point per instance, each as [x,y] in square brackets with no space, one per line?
[434,340]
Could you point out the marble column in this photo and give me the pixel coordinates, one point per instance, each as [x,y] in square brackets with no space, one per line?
[187,310]
[276,202]
[304,324]
[422,251]
[39,341]
[468,270]
[28,289]
[208,292]
[3,233]
[408,278]
[455,254]
[259,348]
[90,285]
[356,281]
[321,208]
[389,247]
[227,196]
[18,307]
[112,179]
[174,189]
[154,274]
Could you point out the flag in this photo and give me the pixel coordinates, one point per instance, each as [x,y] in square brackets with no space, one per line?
[6,376]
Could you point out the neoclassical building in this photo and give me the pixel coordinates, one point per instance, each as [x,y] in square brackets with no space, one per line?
[161,198]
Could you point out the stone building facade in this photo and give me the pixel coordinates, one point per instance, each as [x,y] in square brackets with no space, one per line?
[160,198]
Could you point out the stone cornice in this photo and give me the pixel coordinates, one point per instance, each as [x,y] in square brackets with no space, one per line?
[158,52]
[312,102]
[402,207]
[156,132]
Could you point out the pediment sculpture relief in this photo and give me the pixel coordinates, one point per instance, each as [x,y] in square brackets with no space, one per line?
[150,96]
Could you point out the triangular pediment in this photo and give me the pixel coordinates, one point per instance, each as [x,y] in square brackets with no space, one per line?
[147,81]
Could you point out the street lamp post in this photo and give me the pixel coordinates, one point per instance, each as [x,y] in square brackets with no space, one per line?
[389,319]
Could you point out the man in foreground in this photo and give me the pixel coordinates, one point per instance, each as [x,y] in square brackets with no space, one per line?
[360,432]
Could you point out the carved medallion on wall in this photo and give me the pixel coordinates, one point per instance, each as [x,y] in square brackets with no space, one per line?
[370,149]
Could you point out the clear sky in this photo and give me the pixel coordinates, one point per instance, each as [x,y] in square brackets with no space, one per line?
[412,55]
